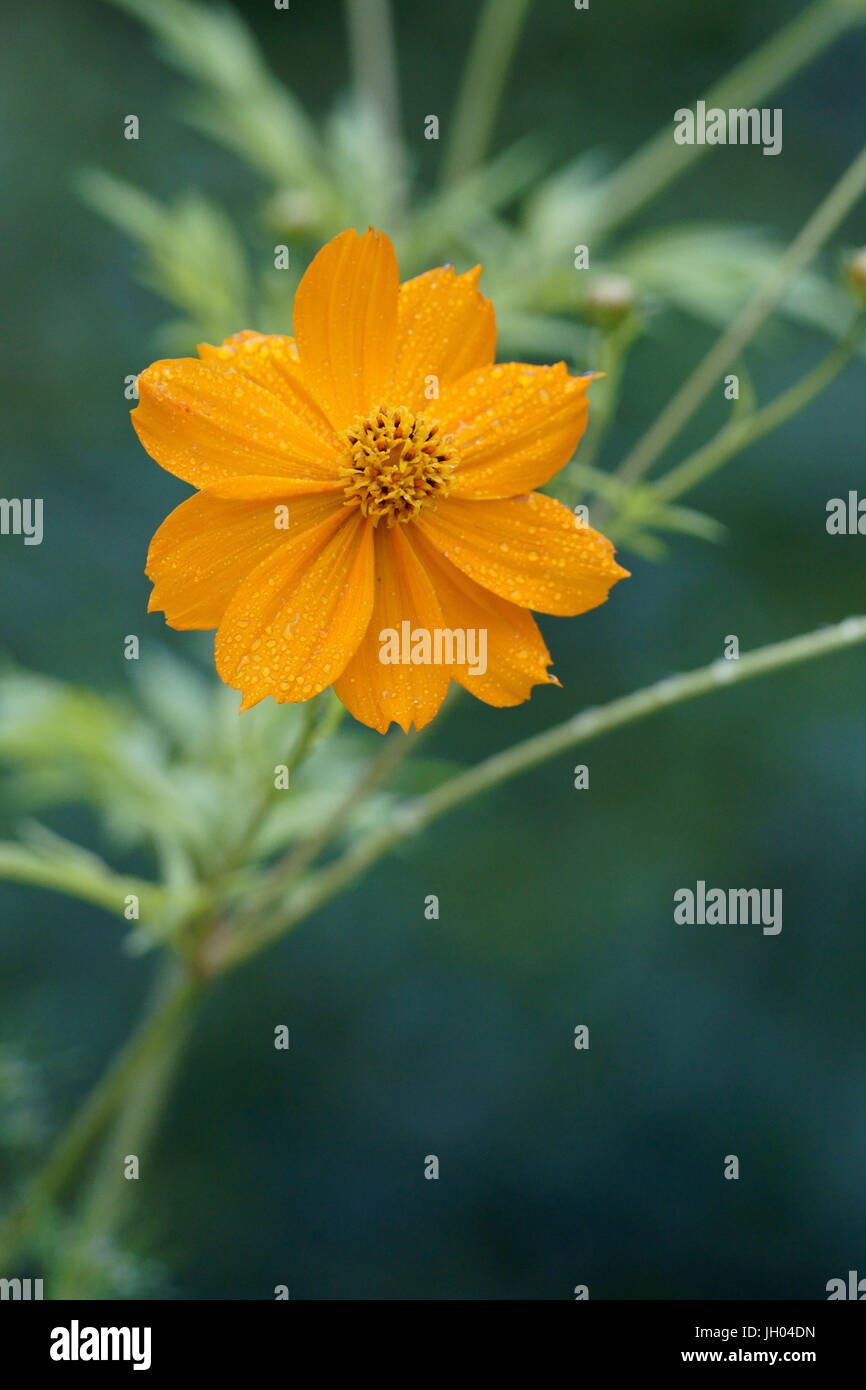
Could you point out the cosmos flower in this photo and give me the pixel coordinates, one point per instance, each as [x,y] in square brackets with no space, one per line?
[373,471]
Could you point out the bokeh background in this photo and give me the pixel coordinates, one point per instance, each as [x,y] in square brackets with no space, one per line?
[454,1037]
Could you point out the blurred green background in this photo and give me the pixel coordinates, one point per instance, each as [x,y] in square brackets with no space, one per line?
[454,1037]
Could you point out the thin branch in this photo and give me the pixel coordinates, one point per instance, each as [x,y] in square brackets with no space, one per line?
[740,433]
[661,161]
[415,815]
[805,246]
[374,67]
[97,1111]
[474,115]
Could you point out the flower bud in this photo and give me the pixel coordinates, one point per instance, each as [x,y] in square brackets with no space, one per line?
[855,273]
[293,211]
[610,299]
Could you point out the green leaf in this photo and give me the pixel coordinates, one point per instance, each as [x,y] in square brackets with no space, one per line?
[441,225]
[559,212]
[66,868]
[710,270]
[190,252]
[237,101]
[368,184]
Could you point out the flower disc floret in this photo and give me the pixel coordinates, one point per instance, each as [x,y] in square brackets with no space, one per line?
[398,463]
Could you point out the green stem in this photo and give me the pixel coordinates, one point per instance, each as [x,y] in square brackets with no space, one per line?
[146,1044]
[108,1191]
[83,876]
[147,1057]
[289,867]
[132,1091]
[415,815]
[480,92]
[769,67]
[805,246]
[393,752]
[312,731]
[374,70]
[374,60]
[613,350]
[739,434]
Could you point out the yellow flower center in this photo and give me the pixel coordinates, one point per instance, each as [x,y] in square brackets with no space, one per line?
[398,463]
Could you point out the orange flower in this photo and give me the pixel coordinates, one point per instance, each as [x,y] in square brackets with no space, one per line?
[371,476]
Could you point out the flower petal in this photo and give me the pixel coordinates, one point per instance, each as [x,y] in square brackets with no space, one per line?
[271,361]
[244,409]
[516,655]
[530,550]
[376,693]
[345,320]
[206,547]
[239,344]
[260,488]
[297,619]
[514,426]
[445,328]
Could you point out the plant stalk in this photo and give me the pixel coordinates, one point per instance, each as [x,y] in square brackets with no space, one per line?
[145,1045]
[769,67]
[474,114]
[415,815]
[728,346]
[740,434]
